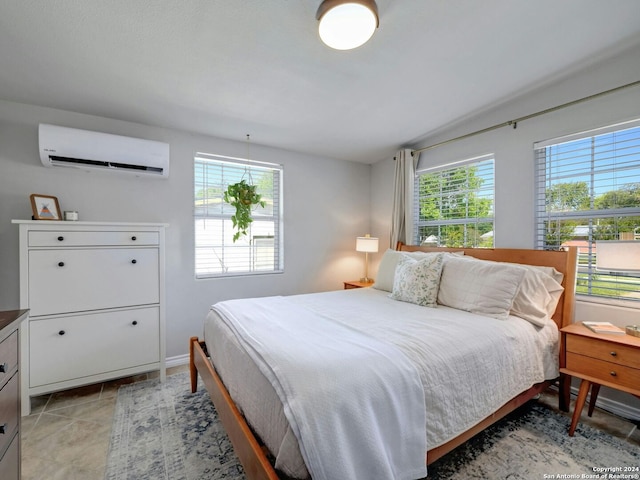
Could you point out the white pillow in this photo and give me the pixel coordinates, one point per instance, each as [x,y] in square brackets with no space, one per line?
[485,288]
[539,292]
[537,297]
[388,264]
[417,281]
[550,271]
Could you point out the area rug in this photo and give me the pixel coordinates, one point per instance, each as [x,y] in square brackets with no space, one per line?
[162,431]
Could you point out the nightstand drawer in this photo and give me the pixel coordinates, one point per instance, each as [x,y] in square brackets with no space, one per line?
[605,371]
[356,284]
[603,350]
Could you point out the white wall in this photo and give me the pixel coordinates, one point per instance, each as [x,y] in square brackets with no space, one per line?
[326,205]
[514,160]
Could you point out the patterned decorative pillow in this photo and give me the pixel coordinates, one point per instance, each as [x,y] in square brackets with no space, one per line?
[417,281]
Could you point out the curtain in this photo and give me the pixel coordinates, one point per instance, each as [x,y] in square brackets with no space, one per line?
[402,220]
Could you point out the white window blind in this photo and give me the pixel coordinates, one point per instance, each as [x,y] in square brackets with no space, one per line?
[588,189]
[260,251]
[454,204]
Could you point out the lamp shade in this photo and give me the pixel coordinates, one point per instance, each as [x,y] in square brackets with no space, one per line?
[367,244]
[346,24]
[618,255]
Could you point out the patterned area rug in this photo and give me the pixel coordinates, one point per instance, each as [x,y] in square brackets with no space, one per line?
[162,431]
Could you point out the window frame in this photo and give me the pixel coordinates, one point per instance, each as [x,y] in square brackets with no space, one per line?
[590,280]
[465,221]
[251,168]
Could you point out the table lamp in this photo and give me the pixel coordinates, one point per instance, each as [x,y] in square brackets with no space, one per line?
[366,244]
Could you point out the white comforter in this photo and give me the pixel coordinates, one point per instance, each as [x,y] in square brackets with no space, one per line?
[355,403]
[469,365]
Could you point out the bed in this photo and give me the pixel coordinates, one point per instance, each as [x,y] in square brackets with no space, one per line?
[257,423]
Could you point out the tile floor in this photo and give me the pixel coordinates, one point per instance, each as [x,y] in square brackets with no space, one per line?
[66,437]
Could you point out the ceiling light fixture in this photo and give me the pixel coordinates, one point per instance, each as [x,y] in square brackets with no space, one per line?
[347,24]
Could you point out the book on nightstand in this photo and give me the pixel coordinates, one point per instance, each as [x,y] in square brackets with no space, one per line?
[603,327]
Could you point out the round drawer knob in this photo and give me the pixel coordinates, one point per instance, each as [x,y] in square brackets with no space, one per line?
[61,264]
[614,354]
[135,322]
[134,261]
[613,374]
[4,428]
[134,238]
[4,367]
[61,332]
[60,239]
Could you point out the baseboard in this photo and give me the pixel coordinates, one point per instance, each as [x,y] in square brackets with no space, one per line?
[612,406]
[617,408]
[177,361]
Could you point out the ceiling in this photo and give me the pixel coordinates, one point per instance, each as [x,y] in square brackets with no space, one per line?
[228,68]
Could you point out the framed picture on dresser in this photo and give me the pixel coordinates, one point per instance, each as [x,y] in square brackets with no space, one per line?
[45,207]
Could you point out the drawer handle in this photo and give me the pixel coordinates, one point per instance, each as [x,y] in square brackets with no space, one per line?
[134,238]
[614,354]
[613,374]
[134,323]
[61,332]
[61,264]
[134,261]
[60,238]
[4,367]
[4,428]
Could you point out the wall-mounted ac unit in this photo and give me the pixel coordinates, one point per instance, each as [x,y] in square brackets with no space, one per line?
[72,147]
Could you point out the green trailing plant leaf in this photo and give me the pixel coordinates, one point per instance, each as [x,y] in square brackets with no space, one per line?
[243,198]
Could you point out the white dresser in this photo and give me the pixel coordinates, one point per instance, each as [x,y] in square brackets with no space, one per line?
[96,297]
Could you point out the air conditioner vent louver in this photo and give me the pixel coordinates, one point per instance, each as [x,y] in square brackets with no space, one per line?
[73,162]
[78,161]
[69,147]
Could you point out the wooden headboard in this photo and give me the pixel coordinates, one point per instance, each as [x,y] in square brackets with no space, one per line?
[565,261]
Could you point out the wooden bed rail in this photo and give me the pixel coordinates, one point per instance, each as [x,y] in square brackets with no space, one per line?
[251,454]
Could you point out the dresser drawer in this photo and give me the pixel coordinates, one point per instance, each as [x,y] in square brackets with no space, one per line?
[76,280]
[10,462]
[603,350]
[605,371]
[9,412]
[8,357]
[72,347]
[88,238]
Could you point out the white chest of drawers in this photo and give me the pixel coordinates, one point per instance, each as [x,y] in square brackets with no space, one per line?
[96,297]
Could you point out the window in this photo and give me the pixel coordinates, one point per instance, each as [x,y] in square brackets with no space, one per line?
[216,254]
[588,189]
[454,204]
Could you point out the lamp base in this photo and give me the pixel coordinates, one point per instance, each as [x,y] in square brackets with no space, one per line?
[367,280]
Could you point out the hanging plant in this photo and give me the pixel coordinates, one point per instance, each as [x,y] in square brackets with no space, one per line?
[243,197]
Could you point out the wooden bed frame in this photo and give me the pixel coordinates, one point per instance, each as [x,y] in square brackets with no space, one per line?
[254,456]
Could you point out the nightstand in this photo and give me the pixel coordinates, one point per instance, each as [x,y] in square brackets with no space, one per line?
[356,284]
[599,359]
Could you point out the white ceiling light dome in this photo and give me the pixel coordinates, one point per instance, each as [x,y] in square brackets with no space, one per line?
[347,24]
